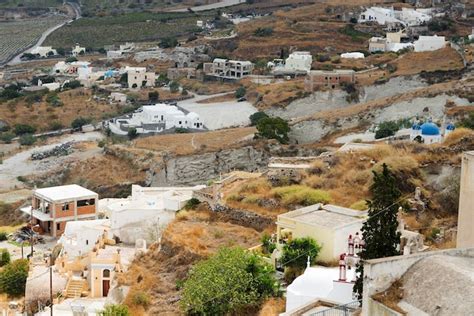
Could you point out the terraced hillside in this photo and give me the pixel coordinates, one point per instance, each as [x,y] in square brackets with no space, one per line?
[16,36]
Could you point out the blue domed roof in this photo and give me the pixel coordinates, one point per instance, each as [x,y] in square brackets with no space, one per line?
[415,126]
[429,129]
[450,127]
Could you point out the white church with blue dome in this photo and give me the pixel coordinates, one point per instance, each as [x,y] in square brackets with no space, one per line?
[429,132]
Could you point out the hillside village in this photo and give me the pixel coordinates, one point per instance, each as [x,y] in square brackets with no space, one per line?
[236,157]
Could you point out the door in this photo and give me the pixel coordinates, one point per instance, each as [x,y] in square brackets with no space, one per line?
[105,287]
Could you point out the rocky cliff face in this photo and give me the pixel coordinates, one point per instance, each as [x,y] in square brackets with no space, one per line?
[199,168]
[312,130]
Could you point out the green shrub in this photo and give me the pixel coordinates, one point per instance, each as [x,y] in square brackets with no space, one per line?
[240,92]
[4,258]
[192,203]
[21,129]
[168,42]
[27,140]
[3,236]
[7,137]
[256,117]
[13,277]
[132,133]
[71,59]
[79,122]
[296,252]
[263,31]
[386,129]
[273,128]
[267,244]
[55,126]
[174,87]
[141,299]
[115,310]
[74,84]
[359,205]
[226,283]
[300,195]
[467,122]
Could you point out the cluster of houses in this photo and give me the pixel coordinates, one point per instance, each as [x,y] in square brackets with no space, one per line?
[96,239]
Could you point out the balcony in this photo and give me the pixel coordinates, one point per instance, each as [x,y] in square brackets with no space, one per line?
[38,214]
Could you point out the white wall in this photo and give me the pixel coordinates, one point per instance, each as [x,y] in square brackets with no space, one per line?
[429,43]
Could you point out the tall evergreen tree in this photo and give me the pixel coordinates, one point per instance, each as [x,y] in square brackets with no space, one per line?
[379,232]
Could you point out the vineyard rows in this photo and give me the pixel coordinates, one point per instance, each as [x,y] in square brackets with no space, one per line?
[17,36]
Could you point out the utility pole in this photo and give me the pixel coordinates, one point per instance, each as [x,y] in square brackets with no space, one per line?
[51,282]
[31,237]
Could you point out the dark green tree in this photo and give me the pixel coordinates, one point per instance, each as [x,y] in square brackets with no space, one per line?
[174,87]
[132,133]
[379,232]
[273,128]
[13,277]
[256,117]
[226,283]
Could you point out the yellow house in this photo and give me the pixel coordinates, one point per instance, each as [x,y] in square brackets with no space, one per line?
[329,225]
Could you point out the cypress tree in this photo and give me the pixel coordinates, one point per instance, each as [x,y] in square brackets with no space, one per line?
[379,232]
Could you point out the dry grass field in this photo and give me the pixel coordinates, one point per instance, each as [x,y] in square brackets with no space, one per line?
[76,103]
[441,59]
[187,144]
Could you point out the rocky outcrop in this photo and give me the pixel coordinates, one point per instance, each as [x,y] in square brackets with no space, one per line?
[313,130]
[195,169]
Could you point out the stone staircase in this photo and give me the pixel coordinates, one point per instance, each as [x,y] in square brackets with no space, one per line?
[74,288]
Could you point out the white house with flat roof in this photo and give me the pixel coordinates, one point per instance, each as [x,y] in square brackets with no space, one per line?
[156,118]
[44,51]
[145,212]
[78,50]
[299,61]
[329,225]
[80,237]
[429,43]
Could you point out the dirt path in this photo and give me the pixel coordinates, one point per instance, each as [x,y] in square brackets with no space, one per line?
[20,164]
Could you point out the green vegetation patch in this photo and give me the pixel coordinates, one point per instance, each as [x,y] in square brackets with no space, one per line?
[300,195]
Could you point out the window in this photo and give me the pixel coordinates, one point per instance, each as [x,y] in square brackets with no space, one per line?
[179,122]
[87,241]
[106,273]
[162,118]
[58,226]
[66,207]
[87,202]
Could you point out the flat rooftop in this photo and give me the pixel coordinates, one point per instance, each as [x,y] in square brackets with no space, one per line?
[330,216]
[65,192]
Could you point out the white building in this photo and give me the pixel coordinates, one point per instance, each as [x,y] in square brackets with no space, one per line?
[353,55]
[78,50]
[471,36]
[80,237]
[411,17]
[320,283]
[299,61]
[44,51]
[145,212]
[138,77]
[155,119]
[406,17]
[428,133]
[377,14]
[429,43]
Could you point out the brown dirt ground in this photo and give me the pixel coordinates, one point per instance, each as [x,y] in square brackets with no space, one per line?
[441,59]
[181,144]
